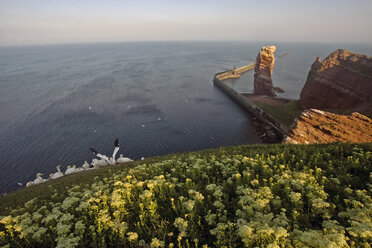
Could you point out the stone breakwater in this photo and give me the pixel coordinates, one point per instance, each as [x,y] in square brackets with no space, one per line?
[275,129]
[235,73]
[263,86]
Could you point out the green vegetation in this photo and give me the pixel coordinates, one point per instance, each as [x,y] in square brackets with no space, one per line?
[244,196]
[285,113]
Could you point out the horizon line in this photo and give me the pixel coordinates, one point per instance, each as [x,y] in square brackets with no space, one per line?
[159,41]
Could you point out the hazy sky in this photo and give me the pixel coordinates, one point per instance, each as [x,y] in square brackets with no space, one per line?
[70,21]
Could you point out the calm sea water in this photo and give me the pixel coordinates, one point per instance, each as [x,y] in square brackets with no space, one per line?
[156,97]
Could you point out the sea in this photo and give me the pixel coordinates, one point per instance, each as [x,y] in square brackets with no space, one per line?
[57,101]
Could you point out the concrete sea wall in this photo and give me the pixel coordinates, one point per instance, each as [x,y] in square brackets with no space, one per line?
[279,129]
[235,73]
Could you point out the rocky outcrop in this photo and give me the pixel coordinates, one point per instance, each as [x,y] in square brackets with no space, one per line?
[316,126]
[263,84]
[342,81]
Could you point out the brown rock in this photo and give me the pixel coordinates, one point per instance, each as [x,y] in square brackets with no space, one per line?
[343,81]
[316,126]
[263,84]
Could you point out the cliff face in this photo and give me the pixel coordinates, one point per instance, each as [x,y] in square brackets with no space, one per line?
[316,126]
[263,84]
[341,81]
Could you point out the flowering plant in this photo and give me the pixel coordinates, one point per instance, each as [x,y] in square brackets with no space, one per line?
[245,196]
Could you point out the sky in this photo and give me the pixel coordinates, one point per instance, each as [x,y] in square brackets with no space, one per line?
[24,22]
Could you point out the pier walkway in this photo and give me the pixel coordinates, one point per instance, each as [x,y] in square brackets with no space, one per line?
[234,73]
[243,99]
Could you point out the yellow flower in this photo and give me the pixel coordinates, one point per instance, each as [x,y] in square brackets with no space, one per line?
[132,236]
[155,243]
[6,220]
[255,182]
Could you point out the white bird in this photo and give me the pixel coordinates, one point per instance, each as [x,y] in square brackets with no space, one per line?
[55,175]
[85,166]
[95,163]
[104,157]
[104,162]
[143,158]
[30,183]
[38,179]
[108,161]
[20,184]
[58,174]
[70,170]
[122,159]
[112,161]
[116,149]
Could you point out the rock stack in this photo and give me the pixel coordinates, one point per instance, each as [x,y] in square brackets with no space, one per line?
[263,84]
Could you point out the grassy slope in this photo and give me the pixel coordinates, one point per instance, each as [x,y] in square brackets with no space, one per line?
[44,191]
[286,195]
[285,113]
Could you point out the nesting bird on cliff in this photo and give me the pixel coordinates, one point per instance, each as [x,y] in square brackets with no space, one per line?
[58,174]
[38,179]
[105,159]
[103,162]
[95,163]
[70,170]
[122,159]
[85,166]
[116,149]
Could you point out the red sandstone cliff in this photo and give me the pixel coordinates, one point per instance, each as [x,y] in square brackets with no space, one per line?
[316,126]
[343,81]
[263,84]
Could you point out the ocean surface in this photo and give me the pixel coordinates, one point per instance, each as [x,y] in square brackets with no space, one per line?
[156,97]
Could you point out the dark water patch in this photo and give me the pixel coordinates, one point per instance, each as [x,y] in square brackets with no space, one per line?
[133,97]
[147,109]
[201,99]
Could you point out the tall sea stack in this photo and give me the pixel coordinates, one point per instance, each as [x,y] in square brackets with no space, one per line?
[263,84]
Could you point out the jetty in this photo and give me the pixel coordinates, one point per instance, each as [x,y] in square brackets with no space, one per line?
[245,100]
[234,73]
[285,54]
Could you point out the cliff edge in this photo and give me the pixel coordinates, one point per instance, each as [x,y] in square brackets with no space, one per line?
[316,126]
[263,84]
[342,81]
